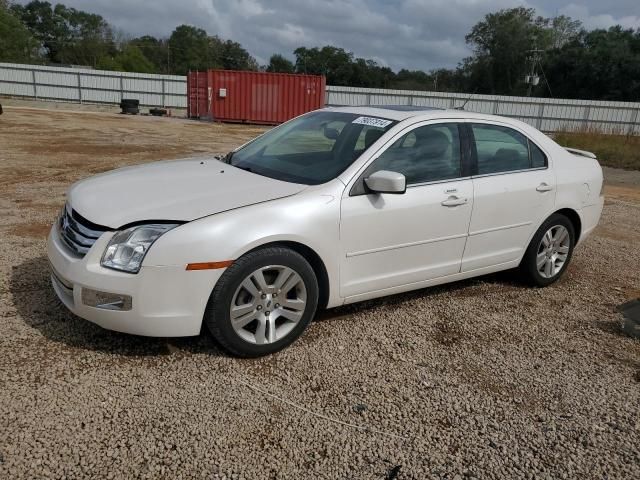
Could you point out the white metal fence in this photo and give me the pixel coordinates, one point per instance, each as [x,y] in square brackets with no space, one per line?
[547,114]
[98,86]
[91,86]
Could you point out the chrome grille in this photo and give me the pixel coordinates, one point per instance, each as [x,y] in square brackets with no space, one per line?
[78,233]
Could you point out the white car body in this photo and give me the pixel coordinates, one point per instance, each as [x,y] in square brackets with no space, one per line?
[361,246]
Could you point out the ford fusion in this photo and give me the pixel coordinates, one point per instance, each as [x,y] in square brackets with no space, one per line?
[333,207]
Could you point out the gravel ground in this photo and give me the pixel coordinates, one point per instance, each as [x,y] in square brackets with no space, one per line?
[478,379]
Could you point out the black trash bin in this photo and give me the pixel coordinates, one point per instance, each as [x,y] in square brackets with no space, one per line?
[130,106]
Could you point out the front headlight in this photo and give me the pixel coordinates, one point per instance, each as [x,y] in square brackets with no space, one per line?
[127,248]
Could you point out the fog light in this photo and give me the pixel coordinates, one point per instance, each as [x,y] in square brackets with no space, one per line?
[106,300]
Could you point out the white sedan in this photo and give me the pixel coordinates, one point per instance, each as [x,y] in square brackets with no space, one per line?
[333,207]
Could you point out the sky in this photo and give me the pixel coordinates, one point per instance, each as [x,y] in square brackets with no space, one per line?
[413,34]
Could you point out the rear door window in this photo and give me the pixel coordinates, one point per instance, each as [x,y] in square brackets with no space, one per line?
[500,149]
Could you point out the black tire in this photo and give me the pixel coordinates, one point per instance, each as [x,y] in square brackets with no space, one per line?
[217,315]
[157,112]
[528,265]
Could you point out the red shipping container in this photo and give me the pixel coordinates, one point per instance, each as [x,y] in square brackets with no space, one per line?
[253,97]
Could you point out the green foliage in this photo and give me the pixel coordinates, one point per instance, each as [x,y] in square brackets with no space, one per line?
[68,35]
[16,42]
[280,64]
[598,64]
[501,42]
[190,48]
[341,68]
[601,64]
[133,60]
[156,51]
[109,63]
[619,151]
[562,30]
[234,57]
[130,59]
[335,63]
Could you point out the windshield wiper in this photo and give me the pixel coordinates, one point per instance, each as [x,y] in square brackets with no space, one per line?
[247,169]
[227,158]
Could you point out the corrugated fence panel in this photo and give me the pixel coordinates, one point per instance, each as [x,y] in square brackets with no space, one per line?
[97,86]
[101,96]
[100,82]
[93,86]
[543,113]
[22,76]
[57,93]
[437,102]
[175,88]
[63,79]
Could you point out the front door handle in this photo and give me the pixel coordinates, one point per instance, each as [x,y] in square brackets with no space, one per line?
[454,201]
[543,187]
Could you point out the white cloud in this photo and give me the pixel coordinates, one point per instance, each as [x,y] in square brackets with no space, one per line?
[413,34]
[599,20]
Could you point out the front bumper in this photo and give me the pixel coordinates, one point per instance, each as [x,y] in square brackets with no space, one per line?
[167,301]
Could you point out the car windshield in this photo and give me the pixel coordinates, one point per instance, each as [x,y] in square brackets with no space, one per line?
[312,149]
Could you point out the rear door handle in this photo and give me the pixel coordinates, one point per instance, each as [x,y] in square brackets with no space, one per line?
[454,201]
[543,187]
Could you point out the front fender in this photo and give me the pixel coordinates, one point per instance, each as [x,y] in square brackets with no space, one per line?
[310,218]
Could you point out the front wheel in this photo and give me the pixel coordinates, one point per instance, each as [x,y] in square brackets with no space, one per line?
[262,302]
[549,252]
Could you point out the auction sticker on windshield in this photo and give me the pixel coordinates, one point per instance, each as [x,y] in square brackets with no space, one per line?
[373,122]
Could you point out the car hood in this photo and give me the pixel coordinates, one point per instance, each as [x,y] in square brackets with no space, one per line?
[181,190]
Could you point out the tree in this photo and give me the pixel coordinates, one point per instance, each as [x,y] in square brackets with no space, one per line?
[67,35]
[190,50]
[16,42]
[130,59]
[414,80]
[563,30]
[155,50]
[501,43]
[49,29]
[133,60]
[280,64]
[335,63]
[235,57]
[601,64]
[90,37]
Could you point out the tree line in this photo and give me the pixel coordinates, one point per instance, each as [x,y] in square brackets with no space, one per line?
[566,59]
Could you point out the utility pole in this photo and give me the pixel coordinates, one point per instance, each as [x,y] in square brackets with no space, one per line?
[533,79]
[168,58]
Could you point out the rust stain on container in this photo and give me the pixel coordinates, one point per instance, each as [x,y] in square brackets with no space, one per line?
[253,97]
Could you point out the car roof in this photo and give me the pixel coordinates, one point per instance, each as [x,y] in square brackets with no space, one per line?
[403,112]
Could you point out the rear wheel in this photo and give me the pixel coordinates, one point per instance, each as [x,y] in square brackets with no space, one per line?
[549,252]
[263,302]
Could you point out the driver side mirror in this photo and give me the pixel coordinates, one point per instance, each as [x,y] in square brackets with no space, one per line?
[385,181]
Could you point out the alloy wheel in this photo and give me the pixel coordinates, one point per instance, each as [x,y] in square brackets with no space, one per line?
[268,304]
[553,251]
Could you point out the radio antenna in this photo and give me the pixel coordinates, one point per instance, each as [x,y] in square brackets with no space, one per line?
[461,107]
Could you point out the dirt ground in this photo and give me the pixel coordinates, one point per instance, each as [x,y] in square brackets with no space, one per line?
[480,379]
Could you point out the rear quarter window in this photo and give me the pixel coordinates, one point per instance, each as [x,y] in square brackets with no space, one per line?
[538,158]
